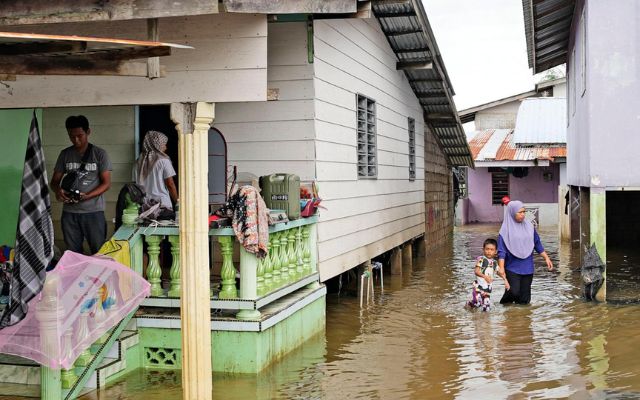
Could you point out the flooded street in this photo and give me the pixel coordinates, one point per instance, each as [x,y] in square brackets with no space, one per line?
[416,341]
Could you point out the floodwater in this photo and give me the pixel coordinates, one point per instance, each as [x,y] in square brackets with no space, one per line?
[416,341]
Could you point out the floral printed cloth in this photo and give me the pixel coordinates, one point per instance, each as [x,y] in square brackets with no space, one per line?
[249,218]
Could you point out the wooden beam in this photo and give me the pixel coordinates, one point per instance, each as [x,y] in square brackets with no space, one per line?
[413,65]
[291,6]
[153,34]
[61,67]
[426,80]
[31,48]
[26,12]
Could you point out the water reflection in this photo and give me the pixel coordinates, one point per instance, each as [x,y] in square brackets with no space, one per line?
[417,341]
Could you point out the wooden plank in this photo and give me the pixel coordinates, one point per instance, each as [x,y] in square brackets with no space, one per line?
[74,67]
[153,63]
[26,12]
[272,151]
[340,263]
[344,208]
[304,169]
[220,86]
[16,49]
[374,233]
[414,65]
[238,131]
[290,6]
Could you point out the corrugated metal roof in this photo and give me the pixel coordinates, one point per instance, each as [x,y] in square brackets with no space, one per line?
[541,120]
[498,145]
[547,25]
[409,34]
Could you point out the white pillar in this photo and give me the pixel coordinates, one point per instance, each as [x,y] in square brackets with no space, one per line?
[193,121]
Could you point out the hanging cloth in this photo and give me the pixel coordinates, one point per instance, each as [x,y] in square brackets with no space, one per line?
[34,239]
[249,215]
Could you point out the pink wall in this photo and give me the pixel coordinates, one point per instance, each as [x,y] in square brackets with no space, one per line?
[530,189]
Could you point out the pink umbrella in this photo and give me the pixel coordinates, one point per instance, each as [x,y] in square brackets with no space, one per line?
[82,299]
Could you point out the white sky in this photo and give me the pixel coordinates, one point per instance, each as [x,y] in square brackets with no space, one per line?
[483,47]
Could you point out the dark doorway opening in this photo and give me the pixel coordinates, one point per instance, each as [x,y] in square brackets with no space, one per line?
[623,251]
[158,118]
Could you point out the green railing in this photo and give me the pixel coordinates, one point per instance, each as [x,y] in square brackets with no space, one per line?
[291,263]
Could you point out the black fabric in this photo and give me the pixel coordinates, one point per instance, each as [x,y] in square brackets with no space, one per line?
[34,238]
[136,194]
[520,291]
[591,272]
[70,182]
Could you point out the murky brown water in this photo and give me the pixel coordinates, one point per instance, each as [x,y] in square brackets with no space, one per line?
[416,341]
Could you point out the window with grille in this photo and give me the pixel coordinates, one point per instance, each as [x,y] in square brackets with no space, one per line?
[412,149]
[499,186]
[367,148]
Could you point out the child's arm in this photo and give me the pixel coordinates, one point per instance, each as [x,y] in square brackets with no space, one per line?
[502,274]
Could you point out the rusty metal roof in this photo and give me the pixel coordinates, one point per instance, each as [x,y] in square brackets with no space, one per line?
[409,34]
[547,25]
[39,54]
[498,145]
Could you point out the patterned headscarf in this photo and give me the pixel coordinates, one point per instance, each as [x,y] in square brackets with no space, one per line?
[151,152]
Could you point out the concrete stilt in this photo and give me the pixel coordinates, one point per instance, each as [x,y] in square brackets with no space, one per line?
[407,255]
[421,247]
[396,261]
[598,231]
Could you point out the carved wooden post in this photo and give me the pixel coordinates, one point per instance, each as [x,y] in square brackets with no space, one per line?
[154,272]
[83,331]
[68,376]
[268,269]
[48,312]
[291,254]
[275,260]
[174,288]
[300,271]
[248,283]
[260,286]
[228,272]
[193,121]
[284,259]
[306,252]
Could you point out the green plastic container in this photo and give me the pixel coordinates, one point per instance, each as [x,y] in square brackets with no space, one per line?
[282,191]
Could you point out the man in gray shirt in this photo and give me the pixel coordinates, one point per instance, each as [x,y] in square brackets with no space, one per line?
[83,214]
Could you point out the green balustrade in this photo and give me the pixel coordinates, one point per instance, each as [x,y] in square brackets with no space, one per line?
[284,259]
[68,376]
[291,255]
[228,273]
[260,286]
[175,285]
[268,269]
[300,271]
[154,272]
[306,251]
[83,331]
[276,263]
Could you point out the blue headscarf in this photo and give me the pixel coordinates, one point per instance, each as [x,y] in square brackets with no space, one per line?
[517,236]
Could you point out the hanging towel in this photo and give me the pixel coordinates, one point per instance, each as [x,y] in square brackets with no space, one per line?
[34,239]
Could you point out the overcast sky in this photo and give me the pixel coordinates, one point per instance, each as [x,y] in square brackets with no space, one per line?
[483,47]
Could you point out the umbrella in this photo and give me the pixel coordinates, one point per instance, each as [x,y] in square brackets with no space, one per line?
[82,299]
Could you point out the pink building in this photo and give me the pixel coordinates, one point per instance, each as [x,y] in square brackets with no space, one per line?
[525,163]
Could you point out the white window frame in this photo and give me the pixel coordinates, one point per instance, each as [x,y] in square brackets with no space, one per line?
[366,139]
[411,127]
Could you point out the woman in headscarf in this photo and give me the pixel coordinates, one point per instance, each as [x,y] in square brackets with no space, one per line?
[516,242]
[155,172]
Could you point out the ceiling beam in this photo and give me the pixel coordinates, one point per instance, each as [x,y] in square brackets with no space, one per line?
[416,50]
[291,6]
[26,12]
[32,48]
[64,67]
[396,15]
[406,32]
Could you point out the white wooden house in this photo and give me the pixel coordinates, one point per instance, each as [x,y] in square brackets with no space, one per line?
[311,129]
